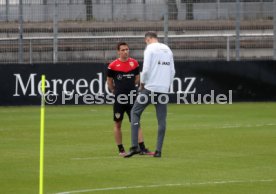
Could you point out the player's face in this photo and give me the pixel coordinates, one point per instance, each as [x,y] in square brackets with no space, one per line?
[123,52]
[147,40]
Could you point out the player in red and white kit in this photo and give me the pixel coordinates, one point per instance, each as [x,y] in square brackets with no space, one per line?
[123,79]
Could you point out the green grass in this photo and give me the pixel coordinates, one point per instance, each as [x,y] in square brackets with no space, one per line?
[207,149]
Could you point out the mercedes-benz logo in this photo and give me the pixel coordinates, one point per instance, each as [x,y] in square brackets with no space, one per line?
[119,76]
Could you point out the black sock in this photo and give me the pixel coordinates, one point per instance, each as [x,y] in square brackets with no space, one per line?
[142,145]
[121,148]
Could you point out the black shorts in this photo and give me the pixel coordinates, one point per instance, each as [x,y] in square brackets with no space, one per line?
[123,106]
[120,109]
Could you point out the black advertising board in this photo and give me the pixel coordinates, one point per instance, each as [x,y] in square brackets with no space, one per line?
[84,83]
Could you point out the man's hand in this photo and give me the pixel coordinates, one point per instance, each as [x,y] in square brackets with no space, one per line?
[110,84]
[141,87]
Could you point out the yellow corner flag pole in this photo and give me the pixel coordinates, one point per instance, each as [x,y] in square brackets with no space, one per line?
[42,118]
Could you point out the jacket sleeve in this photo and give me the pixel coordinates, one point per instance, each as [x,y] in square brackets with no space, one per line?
[146,66]
[172,69]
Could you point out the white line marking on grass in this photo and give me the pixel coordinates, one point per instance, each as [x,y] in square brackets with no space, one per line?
[166,185]
[93,110]
[97,158]
[109,157]
[229,126]
[247,125]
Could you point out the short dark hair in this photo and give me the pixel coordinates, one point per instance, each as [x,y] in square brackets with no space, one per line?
[120,44]
[151,34]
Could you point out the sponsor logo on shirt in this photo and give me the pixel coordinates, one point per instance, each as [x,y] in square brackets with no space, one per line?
[119,76]
[163,63]
[130,75]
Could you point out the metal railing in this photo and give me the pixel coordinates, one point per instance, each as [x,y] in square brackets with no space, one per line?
[41,31]
[228,39]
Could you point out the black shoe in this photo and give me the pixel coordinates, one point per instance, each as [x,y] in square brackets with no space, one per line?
[146,152]
[157,154]
[132,151]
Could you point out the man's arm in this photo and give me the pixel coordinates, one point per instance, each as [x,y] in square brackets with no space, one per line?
[110,84]
[146,67]
[172,69]
[137,80]
[138,84]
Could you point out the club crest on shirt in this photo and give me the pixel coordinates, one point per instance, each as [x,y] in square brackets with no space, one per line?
[131,64]
[117,115]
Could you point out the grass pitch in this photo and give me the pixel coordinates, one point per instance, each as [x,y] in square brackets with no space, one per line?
[207,149]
